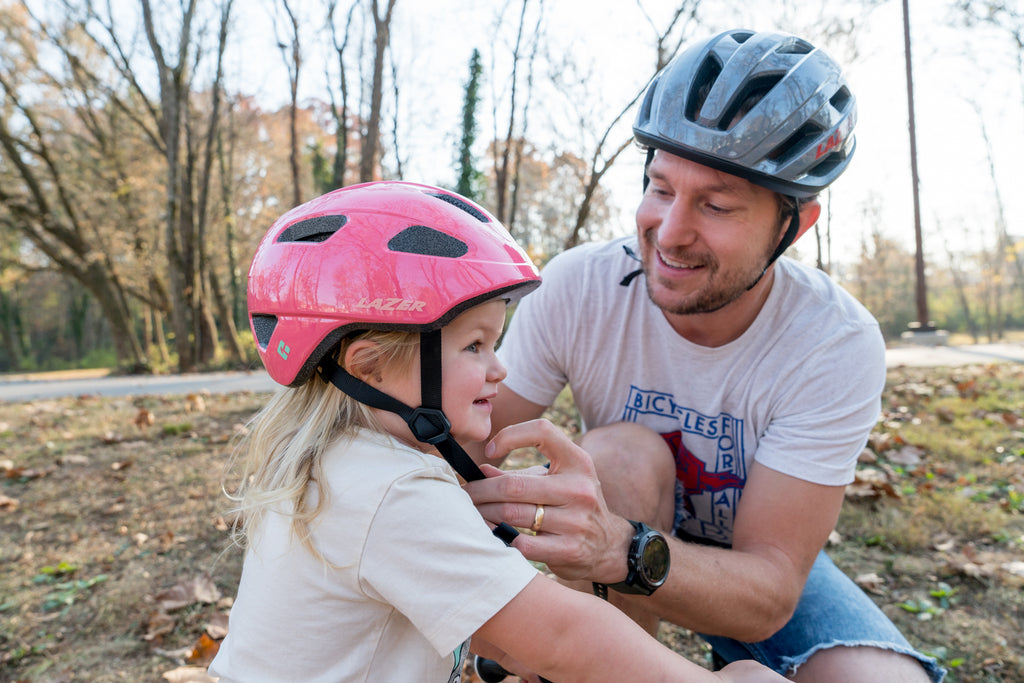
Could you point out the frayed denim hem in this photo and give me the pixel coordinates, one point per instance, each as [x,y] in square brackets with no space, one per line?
[930,664]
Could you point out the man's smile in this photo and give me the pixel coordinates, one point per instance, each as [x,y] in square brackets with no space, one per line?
[678,264]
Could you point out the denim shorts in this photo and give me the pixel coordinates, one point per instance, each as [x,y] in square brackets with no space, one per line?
[833,611]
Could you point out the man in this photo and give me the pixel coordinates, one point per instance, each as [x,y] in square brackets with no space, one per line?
[726,392]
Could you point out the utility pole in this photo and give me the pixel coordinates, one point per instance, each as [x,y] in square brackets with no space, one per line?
[923,323]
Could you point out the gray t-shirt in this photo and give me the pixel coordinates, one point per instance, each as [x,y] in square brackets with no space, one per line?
[798,391]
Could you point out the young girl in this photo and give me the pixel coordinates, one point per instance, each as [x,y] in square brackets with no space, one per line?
[379,306]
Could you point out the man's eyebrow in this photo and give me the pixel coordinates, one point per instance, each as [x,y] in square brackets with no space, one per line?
[728,185]
[723,183]
[653,173]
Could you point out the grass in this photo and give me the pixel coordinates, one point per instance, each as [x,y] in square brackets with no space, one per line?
[114,556]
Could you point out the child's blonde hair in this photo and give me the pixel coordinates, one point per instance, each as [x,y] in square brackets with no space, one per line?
[279,457]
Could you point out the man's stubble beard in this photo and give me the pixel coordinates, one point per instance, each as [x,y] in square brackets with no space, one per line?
[713,296]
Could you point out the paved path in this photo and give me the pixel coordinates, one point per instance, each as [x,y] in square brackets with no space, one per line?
[53,385]
[952,356]
[25,387]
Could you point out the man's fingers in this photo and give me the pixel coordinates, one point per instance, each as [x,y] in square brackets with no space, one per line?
[541,434]
[512,487]
[558,552]
[491,471]
[519,515]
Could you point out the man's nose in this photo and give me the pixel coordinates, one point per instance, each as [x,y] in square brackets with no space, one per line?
[677,226]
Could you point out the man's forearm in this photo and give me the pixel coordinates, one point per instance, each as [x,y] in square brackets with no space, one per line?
[717,591]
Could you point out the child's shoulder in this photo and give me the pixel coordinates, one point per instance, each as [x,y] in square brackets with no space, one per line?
[374,456]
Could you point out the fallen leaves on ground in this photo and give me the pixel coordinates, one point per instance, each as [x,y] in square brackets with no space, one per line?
[189,674]
[871,483]
[196,657]
[198,589]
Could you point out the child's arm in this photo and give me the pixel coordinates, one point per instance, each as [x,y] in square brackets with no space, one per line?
[565,636]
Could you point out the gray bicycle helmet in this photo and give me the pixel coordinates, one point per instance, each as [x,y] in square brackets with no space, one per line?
[767,107]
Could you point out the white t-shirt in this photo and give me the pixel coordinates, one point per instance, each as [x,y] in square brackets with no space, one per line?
[413,572]
[798,391]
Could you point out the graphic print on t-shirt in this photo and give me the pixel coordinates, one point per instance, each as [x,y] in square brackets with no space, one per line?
[460,655]
[710,472]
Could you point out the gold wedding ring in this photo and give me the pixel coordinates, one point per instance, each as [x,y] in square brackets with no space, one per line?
[538,519]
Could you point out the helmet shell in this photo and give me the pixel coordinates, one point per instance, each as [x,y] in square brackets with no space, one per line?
[767,107]
[383,255]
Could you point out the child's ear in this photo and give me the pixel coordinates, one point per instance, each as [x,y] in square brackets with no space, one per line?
[361,360]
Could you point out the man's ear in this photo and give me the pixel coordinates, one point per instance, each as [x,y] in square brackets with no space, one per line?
[810,210]
[361,360]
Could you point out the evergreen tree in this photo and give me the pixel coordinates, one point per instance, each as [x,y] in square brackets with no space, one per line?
[469,177]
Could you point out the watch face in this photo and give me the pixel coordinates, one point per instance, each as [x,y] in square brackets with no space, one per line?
[655,559]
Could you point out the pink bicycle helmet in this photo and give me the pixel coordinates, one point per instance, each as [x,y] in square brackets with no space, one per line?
[383,255]
[386,256]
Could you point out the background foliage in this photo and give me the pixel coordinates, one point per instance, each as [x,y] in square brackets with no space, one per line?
[139,165]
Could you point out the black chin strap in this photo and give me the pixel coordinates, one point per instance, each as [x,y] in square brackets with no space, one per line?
[785,243]
[428,423]
[624,282]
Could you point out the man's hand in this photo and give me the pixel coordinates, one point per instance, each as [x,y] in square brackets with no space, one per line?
[579,538]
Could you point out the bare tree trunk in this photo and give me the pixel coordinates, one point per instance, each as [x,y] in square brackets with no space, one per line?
[292,54]
[371,140]
[339,111]
[399,164]
[237,307]
[521,138]
[178,238]
[921,291]
[10,332]
[227,319]
[147,331]
[160,338]
[195,331]
[211,338]
[125,340]
[504,154]
[961,292]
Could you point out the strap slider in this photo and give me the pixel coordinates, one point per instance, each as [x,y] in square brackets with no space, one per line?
[429,425]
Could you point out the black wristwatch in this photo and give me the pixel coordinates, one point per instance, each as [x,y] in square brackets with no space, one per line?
[647,562]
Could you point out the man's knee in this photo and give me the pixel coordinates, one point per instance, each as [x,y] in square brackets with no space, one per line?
[636,469]
[844,664]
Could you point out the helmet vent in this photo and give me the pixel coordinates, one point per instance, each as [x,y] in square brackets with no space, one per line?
[419,239]
[263,327]
[458,203]
[316,229]
[702,82]
[755,91]
[796,143]
[842,99]
[827,165]
[796,47]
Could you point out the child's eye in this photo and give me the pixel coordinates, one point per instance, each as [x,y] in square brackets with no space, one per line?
[474,347]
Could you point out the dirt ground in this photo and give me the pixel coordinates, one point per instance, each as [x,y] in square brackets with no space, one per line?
[115,563]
